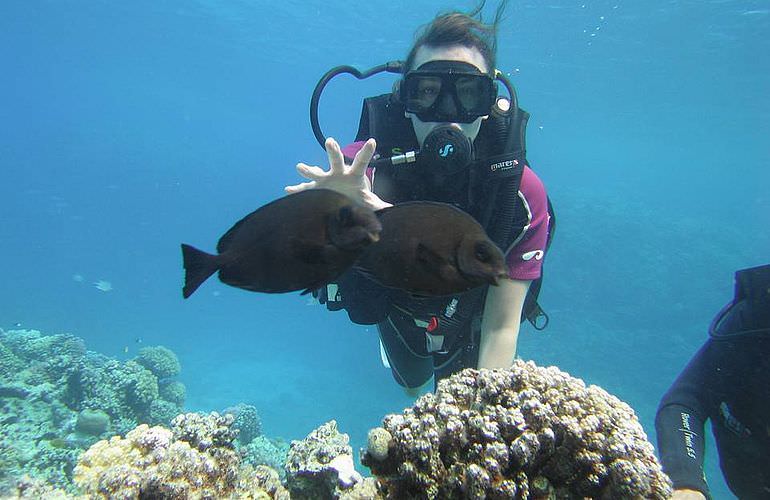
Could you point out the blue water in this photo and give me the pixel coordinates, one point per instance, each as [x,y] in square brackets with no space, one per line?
[129,127]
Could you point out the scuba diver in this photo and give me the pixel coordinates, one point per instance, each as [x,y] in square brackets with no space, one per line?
[727,382]
[443,134]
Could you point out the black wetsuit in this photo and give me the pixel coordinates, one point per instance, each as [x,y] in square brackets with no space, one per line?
[727,382]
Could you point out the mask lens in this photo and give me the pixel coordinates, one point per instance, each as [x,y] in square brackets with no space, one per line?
[424,91]
[450,92]
[471,94]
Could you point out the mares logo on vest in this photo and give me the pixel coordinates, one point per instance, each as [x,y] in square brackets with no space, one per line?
[503,165]
[445,151]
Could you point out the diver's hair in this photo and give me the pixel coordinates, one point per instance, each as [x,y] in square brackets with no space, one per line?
[465,29]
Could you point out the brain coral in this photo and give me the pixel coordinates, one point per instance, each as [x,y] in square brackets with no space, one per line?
[523,432]
[154,462]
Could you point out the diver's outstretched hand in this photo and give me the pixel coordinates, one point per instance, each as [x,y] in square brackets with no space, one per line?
[349,180]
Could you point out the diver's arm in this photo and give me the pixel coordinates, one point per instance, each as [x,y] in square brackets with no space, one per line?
[679,423]
[688,494]
[500,323]
[349,180]
[681,447]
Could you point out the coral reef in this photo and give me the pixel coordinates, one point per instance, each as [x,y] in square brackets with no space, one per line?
[524,432]
[172,391]
[57,399]
[34,421]
[161,412]
[265,451]
[194,460]
[205,431]
[92,422]
[321,465]
[247,421]
[34,489]
[378,442]
[161,361]
[125,391]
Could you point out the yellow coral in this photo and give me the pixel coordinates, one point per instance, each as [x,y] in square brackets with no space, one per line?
[149,462]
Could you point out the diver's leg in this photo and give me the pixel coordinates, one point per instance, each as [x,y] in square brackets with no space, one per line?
[404,346]
[463,354]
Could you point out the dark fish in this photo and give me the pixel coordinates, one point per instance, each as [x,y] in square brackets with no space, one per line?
[429,248]
[299,242]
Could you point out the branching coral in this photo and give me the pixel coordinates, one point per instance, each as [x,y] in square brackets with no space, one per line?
[518,433]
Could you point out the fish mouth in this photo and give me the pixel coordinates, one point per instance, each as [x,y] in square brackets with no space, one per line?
[491,278]
[495,279]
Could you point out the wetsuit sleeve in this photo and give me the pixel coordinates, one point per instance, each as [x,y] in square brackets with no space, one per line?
[525,256]
[680,421]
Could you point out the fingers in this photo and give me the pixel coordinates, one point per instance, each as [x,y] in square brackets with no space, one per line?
[338,174]
[336,159]
[296,188]
[363,157]
[310,171]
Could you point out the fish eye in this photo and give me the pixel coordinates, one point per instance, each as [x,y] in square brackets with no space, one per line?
[345,215]
[482,253]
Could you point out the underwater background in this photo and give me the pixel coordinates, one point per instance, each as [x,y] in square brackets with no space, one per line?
[127,128]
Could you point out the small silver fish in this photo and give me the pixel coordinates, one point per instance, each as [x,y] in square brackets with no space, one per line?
[102,285]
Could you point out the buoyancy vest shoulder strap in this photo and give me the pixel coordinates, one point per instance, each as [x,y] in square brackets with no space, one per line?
[383,118]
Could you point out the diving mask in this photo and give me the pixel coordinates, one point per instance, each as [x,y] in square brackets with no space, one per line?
[448,91]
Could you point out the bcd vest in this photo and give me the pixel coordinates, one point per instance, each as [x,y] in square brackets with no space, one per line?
[488,191]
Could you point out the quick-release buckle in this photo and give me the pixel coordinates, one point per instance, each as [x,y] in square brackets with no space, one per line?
[333,293]
[434,341]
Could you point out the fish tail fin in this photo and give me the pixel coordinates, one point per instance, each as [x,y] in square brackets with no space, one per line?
[198,267]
